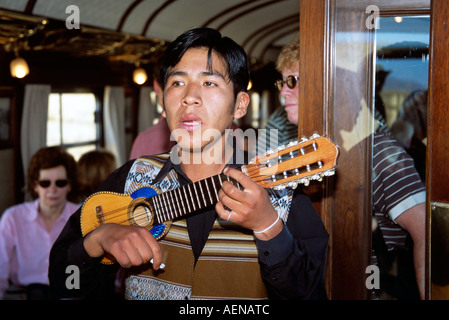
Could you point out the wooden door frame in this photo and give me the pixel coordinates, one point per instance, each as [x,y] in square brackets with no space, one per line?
[437,169]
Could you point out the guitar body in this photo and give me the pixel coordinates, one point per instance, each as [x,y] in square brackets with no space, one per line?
[125,209]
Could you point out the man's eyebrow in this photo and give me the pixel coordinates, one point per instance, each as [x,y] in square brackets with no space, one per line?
[176,73]
[213,73]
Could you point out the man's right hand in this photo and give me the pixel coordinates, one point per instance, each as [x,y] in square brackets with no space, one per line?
[129,245]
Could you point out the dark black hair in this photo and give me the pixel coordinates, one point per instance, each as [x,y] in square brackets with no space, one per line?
[232,54]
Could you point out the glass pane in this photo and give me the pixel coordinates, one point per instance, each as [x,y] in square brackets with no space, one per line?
[402,62]
[78,114]
[400,101]
[54,120]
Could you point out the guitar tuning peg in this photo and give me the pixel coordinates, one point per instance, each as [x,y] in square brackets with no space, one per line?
[293,184]
[282,147]
[279,187]
[314,135]
[303,138]
[304,181]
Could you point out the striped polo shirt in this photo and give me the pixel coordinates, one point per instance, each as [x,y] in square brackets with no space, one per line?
[397,187]
[278,131]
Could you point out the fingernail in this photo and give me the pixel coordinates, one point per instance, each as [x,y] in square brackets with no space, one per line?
[162,266]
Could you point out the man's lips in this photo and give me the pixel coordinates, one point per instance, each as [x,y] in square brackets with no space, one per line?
[190,122]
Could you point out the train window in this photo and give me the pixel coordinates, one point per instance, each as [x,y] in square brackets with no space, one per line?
[72,122]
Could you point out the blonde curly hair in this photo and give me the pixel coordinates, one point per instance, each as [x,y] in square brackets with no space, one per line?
[289,56]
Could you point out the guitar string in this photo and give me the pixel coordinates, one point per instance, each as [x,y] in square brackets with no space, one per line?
[121,211]
[165,210]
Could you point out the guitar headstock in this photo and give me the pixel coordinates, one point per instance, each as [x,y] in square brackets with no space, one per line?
[295,163]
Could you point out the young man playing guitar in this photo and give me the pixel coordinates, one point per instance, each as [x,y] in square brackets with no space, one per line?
[252,243]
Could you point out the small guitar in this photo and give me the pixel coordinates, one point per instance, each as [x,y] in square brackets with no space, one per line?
[287,166]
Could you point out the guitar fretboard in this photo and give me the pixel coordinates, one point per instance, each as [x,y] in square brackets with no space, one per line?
[188,198]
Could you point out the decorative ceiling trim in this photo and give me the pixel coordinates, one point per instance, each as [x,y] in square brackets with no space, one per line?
[154,15]
[228,10]
[126,14]
[269,43]
[260,33]
[240,14]
[30,7]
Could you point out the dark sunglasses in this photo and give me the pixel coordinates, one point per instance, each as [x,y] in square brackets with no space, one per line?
[291,82]
[59,183]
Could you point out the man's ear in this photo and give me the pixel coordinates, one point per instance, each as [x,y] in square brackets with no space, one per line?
[241,105]
[162,102]
[158,90]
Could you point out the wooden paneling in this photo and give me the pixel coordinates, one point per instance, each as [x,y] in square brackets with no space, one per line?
[437,122]
[438,115]
[311,67]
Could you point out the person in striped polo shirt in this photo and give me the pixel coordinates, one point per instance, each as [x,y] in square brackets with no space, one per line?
[399,210]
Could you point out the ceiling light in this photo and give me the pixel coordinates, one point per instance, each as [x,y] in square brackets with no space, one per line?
[19,68]
[140,76]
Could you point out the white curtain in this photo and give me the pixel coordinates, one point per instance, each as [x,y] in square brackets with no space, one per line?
[114,122]
[147,108]
[33,135]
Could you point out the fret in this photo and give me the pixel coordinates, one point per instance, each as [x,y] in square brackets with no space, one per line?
[191,196]
[180,200]
[187,199]
[173,203]
[163,207]
[159,204]
[215,188]
[166,213]
[208,192]
[197,198]
[202,193]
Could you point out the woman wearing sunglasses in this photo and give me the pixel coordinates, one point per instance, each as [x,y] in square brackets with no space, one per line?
[28,230]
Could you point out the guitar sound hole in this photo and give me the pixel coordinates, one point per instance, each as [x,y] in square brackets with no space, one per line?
[142,216]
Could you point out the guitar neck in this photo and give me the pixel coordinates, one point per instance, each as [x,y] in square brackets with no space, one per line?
[189,198]
[287,166]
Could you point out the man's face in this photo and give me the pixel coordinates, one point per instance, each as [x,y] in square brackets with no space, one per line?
[291,95]
[197,99]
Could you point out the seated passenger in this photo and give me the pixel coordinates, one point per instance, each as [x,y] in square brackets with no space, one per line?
[28,230]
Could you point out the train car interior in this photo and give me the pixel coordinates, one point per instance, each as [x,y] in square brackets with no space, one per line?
[80,74]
